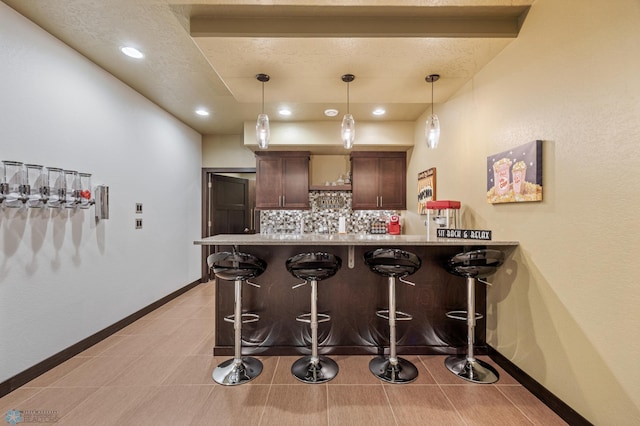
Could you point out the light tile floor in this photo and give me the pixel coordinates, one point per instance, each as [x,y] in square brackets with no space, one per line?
[157,371]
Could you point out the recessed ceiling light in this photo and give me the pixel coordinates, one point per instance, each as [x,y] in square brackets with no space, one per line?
[379,111]
[132,52]
[203,112]
[331,112]
[284,111]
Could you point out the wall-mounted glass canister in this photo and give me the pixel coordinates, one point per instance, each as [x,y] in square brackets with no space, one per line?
[72,186]
[14,187]
[85,190]
[37,185]
[57,187]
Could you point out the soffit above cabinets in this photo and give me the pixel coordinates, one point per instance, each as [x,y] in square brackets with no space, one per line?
[206,53]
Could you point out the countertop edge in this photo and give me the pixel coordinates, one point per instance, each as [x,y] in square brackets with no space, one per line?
[343,240]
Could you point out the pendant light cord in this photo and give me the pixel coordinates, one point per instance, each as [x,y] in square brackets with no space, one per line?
[431,96]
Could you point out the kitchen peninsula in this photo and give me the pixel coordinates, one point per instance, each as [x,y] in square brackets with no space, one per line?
[351,297]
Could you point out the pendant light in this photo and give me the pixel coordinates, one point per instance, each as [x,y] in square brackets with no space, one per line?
[348,129]
[262,125]
[432,129]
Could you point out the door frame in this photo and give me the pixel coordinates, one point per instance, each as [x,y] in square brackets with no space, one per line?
[206,250]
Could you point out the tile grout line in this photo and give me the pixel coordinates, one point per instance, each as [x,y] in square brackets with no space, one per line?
[326,393]
[264,408]
[444,393]
[395,419]
[515,405]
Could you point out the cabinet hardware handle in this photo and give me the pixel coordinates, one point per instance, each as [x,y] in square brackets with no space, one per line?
[381,201]
[284,203]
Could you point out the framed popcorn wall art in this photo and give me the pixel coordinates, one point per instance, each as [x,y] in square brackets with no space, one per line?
[426,189]
[515,176]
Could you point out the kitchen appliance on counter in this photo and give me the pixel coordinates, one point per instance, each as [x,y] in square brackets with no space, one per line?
[442,214]
[394,227]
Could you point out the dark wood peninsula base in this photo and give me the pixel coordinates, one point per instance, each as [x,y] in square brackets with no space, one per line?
[351,297]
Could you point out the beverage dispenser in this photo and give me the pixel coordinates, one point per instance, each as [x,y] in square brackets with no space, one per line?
[37,186]
[14,185]
[57,187]
[72,186]
[85,190]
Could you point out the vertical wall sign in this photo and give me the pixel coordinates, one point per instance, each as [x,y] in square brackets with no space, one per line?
[516,175]
[426,189]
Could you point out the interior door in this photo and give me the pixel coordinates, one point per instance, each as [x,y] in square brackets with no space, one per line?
[229,211]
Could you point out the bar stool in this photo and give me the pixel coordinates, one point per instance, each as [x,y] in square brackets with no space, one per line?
[393,263]
[314,267]
[237,267]
[472,265]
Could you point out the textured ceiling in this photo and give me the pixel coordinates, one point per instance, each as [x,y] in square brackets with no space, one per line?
[206,53]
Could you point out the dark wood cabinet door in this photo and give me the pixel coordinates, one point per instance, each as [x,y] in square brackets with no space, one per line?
[282,180]
[379,180]
[392,172]
[295,182]
[364,183]
[268,182]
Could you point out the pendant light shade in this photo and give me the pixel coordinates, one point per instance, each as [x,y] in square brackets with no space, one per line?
[432,131]
[262,124]
[432,126]
[348,129]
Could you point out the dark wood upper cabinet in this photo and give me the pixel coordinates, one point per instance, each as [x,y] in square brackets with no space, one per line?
[282,180]
[379,180]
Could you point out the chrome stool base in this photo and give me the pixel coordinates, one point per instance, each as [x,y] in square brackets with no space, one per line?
[230,372]
[308,372]
[475,371]
[403,372]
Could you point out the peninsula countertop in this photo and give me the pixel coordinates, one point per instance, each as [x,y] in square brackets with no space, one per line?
[343,240]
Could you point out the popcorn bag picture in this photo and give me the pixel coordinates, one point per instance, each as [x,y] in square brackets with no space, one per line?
[516,175]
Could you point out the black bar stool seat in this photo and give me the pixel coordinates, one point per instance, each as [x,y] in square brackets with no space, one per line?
[393,263]
[237,267]
[472,265]
[314,267]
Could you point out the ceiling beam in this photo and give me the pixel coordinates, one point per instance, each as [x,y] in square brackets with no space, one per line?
[264,21]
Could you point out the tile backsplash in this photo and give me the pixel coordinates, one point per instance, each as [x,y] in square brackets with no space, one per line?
[327,207]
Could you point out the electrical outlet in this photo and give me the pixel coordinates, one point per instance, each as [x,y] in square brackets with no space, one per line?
[138,223]
[138,208]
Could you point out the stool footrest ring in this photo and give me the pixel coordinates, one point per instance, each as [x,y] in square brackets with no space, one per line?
[400,316]
[246,318]
[461,315]
[307,318]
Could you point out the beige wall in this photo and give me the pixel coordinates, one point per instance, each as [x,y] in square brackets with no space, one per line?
[324,136]
[226,151]
[565,308]
[328,168]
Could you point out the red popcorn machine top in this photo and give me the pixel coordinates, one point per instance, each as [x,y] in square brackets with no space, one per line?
[442,214]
